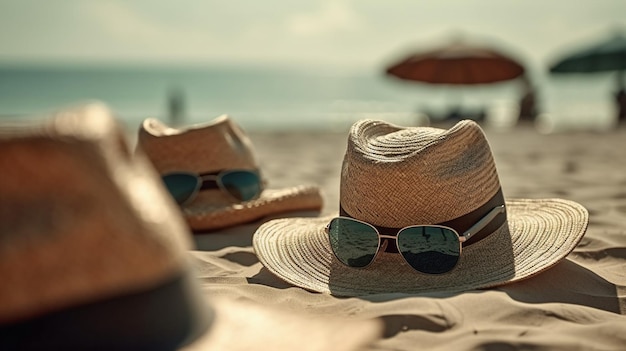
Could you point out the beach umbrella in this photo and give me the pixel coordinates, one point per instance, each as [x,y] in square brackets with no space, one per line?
[605,56]
[457,63]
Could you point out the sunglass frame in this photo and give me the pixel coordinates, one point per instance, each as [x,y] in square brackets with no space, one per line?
[462,238]
[217,178]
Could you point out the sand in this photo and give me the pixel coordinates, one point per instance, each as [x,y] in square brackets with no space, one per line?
[577,305]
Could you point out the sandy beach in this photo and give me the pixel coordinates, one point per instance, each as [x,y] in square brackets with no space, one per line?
[133,215]
[577,305]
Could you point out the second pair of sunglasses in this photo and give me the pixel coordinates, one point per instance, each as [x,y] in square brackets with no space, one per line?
[240,184]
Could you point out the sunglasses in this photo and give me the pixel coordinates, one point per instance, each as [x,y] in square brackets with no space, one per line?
[430,249]
[241,185]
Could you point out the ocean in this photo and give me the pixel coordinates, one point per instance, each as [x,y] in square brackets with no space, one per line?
[295,98]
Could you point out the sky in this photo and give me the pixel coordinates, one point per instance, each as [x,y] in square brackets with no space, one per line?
[342,33]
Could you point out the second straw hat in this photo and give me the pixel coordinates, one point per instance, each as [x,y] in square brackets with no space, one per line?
[393,177]
[211,147]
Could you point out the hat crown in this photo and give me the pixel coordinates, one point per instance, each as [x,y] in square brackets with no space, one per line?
[394,176]
[213,146]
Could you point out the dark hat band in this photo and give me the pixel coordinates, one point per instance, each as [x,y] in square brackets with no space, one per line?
[459,224]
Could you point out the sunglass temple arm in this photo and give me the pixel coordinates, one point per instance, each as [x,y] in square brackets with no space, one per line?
[482,223]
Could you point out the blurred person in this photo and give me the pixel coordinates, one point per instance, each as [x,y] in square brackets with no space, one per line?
[528,102]
[620,99]
[176,106]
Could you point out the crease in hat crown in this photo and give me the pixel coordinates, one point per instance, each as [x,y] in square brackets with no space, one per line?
[212,146]
[395,176]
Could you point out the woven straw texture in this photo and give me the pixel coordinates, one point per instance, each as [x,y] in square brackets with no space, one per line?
[218,145]
[80,219]
[395,177]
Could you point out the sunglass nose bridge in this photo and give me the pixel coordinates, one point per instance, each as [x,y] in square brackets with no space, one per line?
[388,244]
[207,176]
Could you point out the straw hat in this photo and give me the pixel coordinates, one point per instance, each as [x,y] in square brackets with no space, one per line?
[94,254]
[92,249]
[395,177]
[210,147]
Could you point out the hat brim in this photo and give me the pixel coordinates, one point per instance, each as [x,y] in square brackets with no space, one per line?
[537,235]
[203,217]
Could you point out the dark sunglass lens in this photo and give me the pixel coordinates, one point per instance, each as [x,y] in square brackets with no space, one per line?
[354,243]
[243,185]
[181,185]
[432,250]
